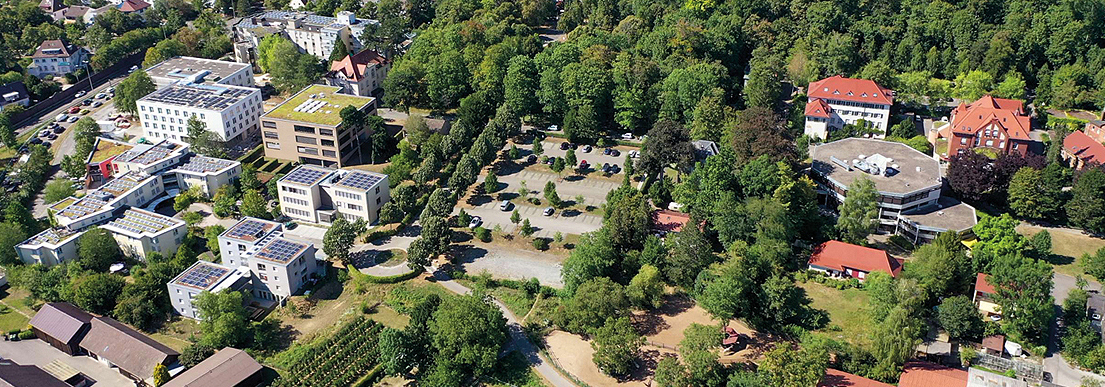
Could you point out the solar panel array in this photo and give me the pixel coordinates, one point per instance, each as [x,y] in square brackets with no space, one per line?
[306,175]
[119,186]
[281,250]
[199,96]
[148,156]
[140,221]
[202,276]
[360,180]
[249,229]
[82,207]
[51,236]
[206,164]
[311,105]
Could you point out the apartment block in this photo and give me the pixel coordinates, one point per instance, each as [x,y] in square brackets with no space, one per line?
[140,232]
[308,128]
[318,195]
[133,189]
[201,277]
[186,69]
[208,173]
[837,101]
[50,247]
[280,266]
[313,34]
[149,158]
[229,111]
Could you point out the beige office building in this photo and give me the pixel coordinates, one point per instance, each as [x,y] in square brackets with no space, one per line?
[308,128]
[140,232]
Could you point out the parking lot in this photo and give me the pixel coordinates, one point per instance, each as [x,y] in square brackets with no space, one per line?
[596,158]
[37,352]
[565,222]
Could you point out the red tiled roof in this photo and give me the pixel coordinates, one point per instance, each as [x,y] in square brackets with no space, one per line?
[925,374]
[835,378]
[670,221]
[354,66]
[133,5]
[1085,148]
[850,89]
[818,108]
[838,255]
[983,285]
[1008,114]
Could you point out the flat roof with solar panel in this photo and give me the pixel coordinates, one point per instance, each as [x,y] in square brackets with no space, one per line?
[250,229]
[137,223]
[319,105]
[97,200]
[185,67]
[307,175]
[211,97]
[360,180]
[52,236]
[124,183]
[281,250]
[206,165]
[145,154]
[202,275]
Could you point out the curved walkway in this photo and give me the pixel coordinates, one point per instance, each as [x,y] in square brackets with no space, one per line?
[366,254]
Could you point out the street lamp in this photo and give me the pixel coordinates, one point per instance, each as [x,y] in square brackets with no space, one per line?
[88,70]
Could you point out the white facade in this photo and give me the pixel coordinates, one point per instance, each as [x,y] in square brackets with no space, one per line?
[57,58]
[140,232]
[313,34]
[202,277]
[207,173]
[849,113]
[134,189]
[317,194]
[228,111]
[50,247]
[150,158]
[837,101]
[186,69]
[280,266]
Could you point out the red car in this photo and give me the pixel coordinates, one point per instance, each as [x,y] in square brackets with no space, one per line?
[74,110]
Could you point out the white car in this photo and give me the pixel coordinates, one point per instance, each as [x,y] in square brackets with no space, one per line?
[73,119]
[476,222]
[80,94]
[101,96]
[132,69]
[553,128]
[634,154]
[62,117]
[548,211]
[504,205]
[97,104]
[627,136]
[111,89]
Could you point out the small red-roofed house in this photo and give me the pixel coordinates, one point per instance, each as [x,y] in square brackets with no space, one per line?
[925,374]
[1081,150]
[133,6]
[837,101]
[840,259]
[994,123]
[836,378]
[984,296]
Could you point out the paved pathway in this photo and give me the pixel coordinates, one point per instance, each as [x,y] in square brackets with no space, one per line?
[518,339]
[564,222]
[369,251]
[1062,373]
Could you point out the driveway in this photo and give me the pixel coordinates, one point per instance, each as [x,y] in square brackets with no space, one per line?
[564,222]
[593,190]
[1062,373]
[37,352]
[506,262]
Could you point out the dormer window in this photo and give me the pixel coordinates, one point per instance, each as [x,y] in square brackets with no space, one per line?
[850,93]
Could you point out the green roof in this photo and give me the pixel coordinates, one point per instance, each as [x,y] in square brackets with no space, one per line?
[108,149]
[334,103]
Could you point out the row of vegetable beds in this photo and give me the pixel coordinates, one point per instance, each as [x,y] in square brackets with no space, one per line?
[339,359]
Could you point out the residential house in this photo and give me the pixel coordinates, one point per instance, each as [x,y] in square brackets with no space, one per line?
[133,189]
[837,378]
[359,74]
[56,57]
[14,93]
[909,185]
[997,124]
[993,345]
[62,325]
[984,297]
[839,259]
[49,247]
[308,128]
[140,232]
[71,14]
[318,195]
[704,149]
[50,6]
[134,354]
[1096,130]
[202,277]
[229,367]
[1080,150]
[15,375]
[208,173]
[837,101]
[133,6]
[925,374]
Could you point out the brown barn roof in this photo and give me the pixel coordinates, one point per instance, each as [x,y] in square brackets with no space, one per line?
[61,320]
[15,375]
[836,378]
[226,368]
[135,353]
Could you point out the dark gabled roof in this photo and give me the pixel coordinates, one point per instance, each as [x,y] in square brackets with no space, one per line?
[125,347]
[14,375]
[16,87]
[61,320]
[226,368]
[56,48]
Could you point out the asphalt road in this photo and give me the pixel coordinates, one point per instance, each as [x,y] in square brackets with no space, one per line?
[48,116]
[593,190]
[551,147]
[1062,373]
[547,226]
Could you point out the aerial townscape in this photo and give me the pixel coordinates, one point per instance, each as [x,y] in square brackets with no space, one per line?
[589,193]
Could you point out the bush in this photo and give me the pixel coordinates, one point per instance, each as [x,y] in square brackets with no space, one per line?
[531,286]
[483,234]
[900,241]
[392,279]
[541,244]
[27,335]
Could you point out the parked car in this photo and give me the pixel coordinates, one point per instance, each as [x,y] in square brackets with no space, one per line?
[44,133]
[548,211]
[132,69]
[58,129]
[614,168]
[565,146]
[46,144]
[587,149]
[111,89]
[605,168]
[606,151]
[97,104]
[634,154]
[615,152]
[101,95]
[504,205]
[86,102]
[73,119]
[80,94]
[62,117]
[627,136]
[476,222]
[583,164]
[553,128]
[551,160]
[531,159]
[290,225]
[52,136]
[74,109]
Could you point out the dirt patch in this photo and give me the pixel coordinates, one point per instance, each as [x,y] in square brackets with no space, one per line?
[573,354]
[664,327]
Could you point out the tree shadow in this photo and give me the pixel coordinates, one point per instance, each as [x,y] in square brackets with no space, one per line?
[648,324]
[1056,259]
[478,200]
[574,178]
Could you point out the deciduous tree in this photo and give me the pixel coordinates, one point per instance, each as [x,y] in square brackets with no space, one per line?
[616,345]
[860,211]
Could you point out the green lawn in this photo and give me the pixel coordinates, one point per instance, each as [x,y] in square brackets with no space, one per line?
[1066,248]
[334,103]
[12,320]
[848,320]
[389,317]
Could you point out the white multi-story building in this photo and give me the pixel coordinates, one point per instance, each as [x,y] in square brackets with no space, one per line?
[150,158]
[359,74]
[313,34]
[201,277]
[56,57]
[134,189]
[208,173]
[50,247]
[280,266]
[231,112]
[318,194]
[837,101]
[140,232]
[186,69]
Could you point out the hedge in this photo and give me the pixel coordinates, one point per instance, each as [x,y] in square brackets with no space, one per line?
[392,279]
[371,377]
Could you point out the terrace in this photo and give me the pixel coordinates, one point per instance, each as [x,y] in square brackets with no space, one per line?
[106,149]
[326,113]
